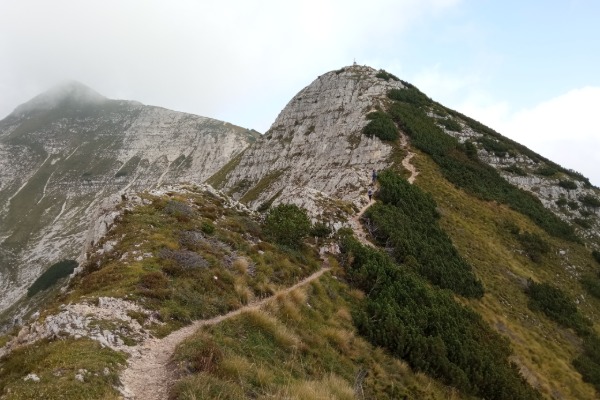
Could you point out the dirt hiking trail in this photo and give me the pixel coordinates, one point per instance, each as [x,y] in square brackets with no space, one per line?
[147,376]
[357,227]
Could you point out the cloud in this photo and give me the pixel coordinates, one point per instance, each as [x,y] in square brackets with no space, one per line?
[235,60]
[563,129]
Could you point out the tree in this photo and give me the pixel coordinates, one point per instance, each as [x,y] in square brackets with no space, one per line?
[287,224]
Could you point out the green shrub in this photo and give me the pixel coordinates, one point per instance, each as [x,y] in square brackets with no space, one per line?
[499,148]
[449,124]
[56,271]
[546,170]
[584,223]
[557,306]
[596,255]
[573,205]
[469,173]
[590,200]
[382,74]
[207,227]
[410,95]
[407,221]
[592,285]
[533,245]
[567,184]
[588,363]
[561,202]
[470,150]
[430,330]
[515,169]
[287,224]
[321,230]
[381,126]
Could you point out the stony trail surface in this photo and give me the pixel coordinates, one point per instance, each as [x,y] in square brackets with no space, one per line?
[406,160]
[359,231]
[147,376]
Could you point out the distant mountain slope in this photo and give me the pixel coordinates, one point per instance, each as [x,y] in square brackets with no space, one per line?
[66,150]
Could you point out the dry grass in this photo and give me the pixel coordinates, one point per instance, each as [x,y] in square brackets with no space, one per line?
[479,231]
[301,346]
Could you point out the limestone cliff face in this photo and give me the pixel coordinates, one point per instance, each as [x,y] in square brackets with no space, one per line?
[315,151]
[65,151]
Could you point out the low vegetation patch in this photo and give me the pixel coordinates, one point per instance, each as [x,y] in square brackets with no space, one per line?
[382,74]
[181,255]
[590,201]
[303,346]
[567,184]
[426,327]
[533,245]
[596,255]
[557,306]
[515,169]
[407,222]
[588,363]
[54,366]
[449,124]
[381,126]
[465,170]
[288,225]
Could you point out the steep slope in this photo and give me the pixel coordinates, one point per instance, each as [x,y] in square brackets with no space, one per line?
[185,254]
[315,148]
[65,151]
[474,287]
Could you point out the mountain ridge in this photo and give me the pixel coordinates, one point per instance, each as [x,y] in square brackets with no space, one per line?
[58,161]
[182,253]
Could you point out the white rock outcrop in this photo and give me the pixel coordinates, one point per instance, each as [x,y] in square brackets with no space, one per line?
[66,151]
[316,144]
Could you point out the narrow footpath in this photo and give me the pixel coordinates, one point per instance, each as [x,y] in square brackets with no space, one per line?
[355,224]
[147,376]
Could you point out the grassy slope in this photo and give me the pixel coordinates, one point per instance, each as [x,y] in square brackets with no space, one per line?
[303,346]
[308,346]
[480,233]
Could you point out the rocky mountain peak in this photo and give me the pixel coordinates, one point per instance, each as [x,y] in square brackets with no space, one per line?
[315,149]
[73,92]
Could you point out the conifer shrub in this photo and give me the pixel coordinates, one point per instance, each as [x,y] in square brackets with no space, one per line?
[383,74]
[410,95]
[590,201]
[450,124]
[584,223]
[557,306]
[591,283]
[321,230]
[468,172]
[567,184]
[596,255]
[56,271]
[499,148]
[425,326]
[588,363]
[546,170]
[407,221]
[533,245]
[515,169]
[287,225]
[381,126]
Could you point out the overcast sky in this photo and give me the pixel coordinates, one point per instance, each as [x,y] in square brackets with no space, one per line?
[529,69]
